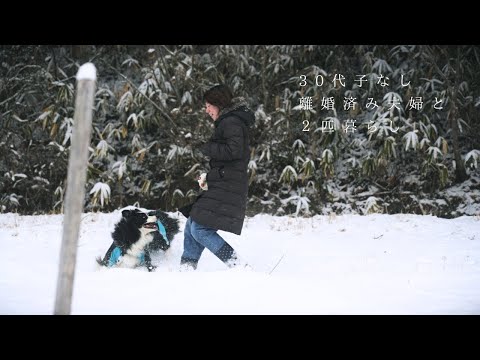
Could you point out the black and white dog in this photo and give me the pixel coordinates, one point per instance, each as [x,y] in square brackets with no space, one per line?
[136,234]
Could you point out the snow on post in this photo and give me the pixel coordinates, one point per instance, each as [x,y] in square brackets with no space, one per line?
[77,173]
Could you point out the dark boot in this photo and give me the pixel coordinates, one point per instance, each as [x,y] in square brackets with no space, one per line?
[188,264]
[228,255]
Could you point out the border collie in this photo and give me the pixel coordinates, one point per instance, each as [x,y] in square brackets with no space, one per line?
[135,235]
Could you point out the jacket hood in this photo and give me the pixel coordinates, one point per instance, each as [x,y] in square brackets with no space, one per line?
[240,109]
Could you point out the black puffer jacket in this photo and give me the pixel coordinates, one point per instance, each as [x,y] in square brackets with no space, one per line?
[223,205]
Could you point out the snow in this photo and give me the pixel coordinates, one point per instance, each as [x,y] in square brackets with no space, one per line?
[87,72]
[330,264]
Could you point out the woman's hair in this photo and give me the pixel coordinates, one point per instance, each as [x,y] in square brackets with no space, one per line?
[219,95]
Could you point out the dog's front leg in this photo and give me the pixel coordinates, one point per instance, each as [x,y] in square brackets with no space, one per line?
[148,261]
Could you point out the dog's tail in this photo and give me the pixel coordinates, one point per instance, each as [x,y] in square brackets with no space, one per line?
[106,258]
[101,262]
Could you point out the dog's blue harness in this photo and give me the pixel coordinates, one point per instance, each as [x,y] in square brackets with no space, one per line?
[114,256]
[163,231]
[117,252]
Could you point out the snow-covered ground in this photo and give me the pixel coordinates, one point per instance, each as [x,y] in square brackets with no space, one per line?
[349,264]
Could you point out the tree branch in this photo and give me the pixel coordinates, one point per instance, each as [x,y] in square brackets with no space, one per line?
[145,96]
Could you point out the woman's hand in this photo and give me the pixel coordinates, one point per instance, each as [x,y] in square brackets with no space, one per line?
[202,181]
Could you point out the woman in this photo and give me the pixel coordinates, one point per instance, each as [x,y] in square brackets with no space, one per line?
[222,204]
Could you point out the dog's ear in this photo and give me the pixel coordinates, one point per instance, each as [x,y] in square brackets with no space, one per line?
[152,213]
[126,213]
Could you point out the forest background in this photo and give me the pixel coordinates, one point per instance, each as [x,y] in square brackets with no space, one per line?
[339,128]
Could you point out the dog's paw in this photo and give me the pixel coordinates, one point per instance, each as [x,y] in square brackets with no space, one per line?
[151,268]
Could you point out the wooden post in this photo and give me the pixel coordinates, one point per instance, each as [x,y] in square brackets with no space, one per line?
[74,197]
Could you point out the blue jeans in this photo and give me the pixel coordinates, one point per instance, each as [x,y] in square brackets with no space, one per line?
[198,237]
